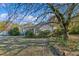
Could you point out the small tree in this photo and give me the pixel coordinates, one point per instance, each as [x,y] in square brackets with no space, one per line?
[14,31]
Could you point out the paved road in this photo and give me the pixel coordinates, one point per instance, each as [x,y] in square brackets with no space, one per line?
[11,42]
[18,39]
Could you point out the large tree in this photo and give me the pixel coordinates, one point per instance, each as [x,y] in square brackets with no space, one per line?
[64,18]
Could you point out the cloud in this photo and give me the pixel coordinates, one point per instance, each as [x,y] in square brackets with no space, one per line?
[3,16]
[30,18]
[26,19]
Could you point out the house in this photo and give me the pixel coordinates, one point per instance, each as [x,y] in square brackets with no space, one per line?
[34,28]
[4,33]
[74,23]
[25,27]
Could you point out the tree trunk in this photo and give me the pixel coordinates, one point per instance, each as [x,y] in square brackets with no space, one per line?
[65,34]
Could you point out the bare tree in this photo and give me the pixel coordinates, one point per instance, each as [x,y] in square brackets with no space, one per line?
[64,18]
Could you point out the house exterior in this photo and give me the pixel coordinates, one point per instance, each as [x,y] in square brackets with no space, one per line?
[4,33]
[74,23]
[46,27]
[25,27]
[34,28]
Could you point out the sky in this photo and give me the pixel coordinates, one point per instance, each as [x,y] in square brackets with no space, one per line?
[30,11]
[34,11]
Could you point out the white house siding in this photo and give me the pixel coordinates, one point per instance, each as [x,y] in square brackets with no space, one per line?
[4,33]
[46,27]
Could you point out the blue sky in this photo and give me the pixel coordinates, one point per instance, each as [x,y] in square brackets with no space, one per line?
[31,12]
[31,15]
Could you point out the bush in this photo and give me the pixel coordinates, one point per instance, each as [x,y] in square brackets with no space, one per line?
[62,41]
[74,30]
[29,34]
[14,32]
[43,34]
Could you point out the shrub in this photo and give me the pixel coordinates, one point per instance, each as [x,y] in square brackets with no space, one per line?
[74,30]
[14,32]
[29,34]
[43,34]
[62,41]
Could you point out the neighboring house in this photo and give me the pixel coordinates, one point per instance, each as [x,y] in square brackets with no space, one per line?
[72,25]
[4,33]
[25,27]
[46,27]
[35,28]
